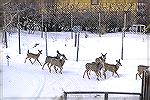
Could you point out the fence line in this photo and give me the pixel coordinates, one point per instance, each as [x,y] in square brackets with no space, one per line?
[144,95]
[106,94]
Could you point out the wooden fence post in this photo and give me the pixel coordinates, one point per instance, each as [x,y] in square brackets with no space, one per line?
[146,85]
[65,96]
[106,96]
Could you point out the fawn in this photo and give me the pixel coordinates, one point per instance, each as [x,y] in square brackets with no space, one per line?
[33,56]
[112,68]
[56,62]
[100,60]
[48,58]
[94,66]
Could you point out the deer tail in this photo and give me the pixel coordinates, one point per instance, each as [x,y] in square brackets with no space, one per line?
[28,51]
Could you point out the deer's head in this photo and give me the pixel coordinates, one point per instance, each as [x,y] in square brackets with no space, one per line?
[64,57]
[118,62]
[40,51]
[103,57]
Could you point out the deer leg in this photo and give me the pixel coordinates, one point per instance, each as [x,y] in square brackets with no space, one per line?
[136,76]
[84,73]
[34,61]
[25,59]
[104,74]
[50,68]
[44,65]
[55,69]
[113,73]
[39,62]
[97,74]
[117,73]
[30,60]
[61,70]
[140,75]
[88,75]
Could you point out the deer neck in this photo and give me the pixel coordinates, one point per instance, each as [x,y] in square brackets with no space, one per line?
[62,61]
[38,54]
[117,66]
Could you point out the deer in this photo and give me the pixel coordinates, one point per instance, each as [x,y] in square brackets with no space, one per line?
[141,69]
[101,58]
[57,63]
[48,58]
[112,68]
[33,56]
[101,61]
[95,67]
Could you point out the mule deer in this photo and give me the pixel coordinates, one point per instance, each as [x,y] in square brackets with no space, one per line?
[92,67]
[33,56]
[140,70]
[56,62]
[112,68]
[48,61]
[48,58]
[100,60]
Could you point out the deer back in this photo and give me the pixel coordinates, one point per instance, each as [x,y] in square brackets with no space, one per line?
[49,59]
[141,68]
[112,67]
[34,56]
[92,66]
[59,62]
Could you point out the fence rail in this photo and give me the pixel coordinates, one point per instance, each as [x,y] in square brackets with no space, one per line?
[144,95]
[106,94]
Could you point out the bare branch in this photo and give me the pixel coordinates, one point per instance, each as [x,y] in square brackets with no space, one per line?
[6,3]
[12,17]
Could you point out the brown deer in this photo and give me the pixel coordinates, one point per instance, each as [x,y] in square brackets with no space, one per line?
[48,58]
[48,61]
[100,60]
[33,56]
[112,68]
[95,67]
[141,69]
[56,63]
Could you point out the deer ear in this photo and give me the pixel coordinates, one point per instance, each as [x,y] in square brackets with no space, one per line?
[117,61]
[102,54]
[40,50]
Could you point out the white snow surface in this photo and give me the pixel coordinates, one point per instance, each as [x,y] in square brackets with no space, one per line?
[21,79]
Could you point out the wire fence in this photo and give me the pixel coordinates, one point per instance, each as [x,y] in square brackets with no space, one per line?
[62,16]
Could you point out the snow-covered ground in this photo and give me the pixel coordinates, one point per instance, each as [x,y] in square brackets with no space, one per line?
[24,80]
